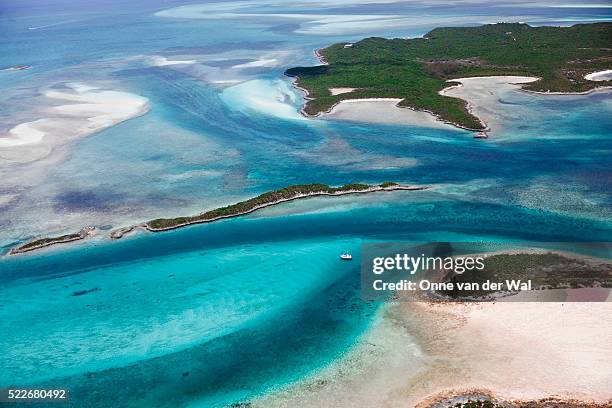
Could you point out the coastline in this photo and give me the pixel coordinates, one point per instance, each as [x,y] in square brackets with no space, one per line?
[598,89]
[121,232]
[368,118]
[45,242]
[320,57]
[383,111]
[427,352]
[372,189]
[481,95]
[294,83]
[435,354]
[475,105]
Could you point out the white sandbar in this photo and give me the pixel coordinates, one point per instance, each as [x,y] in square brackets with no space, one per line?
[82,110]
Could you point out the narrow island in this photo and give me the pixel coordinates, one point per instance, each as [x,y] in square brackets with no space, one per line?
[417,70]
[48,241]
[295,192]
[290,193]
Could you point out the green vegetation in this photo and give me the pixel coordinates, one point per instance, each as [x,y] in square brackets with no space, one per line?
[48,241]
[43,242]
[269,198]
[548,270]
[417,69]
[489,402]
[243,207]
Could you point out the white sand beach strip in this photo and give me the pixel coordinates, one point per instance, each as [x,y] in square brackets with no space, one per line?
[513,350]
[383,111]
[339,91]
[73,111]
[599,76]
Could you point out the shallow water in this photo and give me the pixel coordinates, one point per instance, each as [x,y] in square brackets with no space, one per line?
[215,314]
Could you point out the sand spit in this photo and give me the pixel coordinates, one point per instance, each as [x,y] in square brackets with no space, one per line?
[73,111]
[482,96]
[510,350]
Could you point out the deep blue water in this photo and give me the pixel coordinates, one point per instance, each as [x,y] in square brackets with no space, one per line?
[215,314]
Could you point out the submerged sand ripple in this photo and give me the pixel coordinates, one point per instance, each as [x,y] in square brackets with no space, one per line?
[74,111]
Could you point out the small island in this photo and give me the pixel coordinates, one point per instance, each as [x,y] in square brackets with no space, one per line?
[268,199]
[44,242]
[547,270]
[416,70]
[290,193]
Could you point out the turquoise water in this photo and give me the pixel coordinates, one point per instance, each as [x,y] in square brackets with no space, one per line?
[216,314]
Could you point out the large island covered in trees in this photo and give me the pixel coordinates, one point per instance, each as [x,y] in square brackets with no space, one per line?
[416,70]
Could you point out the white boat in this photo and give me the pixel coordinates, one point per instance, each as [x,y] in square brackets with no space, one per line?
[346,256]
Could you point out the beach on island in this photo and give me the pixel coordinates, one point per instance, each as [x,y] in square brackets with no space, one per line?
[599,76]
[382,111]
[68,112]
[339,91]
[481,94]
[419,352]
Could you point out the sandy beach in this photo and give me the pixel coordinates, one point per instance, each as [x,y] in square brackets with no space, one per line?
[482,95]
[339,91]
[418,352]
[599,76]
[70,112]
[383,111]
